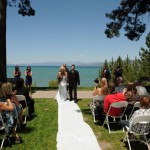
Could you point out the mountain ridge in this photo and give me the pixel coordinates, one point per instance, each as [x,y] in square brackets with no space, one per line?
[69,63]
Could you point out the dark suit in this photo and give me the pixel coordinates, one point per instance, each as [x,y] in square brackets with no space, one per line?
[74,80]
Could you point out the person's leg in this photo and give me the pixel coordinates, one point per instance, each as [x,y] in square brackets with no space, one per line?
[70,92]
[75,93]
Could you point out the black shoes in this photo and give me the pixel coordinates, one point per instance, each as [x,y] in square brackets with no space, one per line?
[75,101]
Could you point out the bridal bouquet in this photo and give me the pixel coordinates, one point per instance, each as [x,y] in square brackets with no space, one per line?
[59,78]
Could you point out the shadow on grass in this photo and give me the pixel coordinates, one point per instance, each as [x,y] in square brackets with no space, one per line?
[136,145]
[26,130]
[86,111]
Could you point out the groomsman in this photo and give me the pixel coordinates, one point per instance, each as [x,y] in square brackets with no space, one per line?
[74,80]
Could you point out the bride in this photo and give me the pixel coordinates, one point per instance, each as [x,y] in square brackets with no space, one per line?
[62,77]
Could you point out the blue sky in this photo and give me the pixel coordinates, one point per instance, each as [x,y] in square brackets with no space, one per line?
[66,30]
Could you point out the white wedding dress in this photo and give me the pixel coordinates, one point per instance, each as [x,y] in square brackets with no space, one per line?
[62,93]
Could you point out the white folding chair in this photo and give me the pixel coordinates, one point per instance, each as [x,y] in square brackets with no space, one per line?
[97,99]
[4,135]
[17,116]
[121,104]
[140,126]
[136,105]
[23,98]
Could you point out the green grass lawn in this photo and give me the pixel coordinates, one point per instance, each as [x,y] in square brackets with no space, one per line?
[40,133]
[106,141]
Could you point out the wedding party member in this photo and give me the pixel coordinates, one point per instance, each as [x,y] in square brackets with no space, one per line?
[20,89]
[28,74]
[62,77]
[17,73]
[74,80]
[67,70]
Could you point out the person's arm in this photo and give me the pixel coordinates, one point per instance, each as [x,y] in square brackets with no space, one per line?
[7,105]
[106,104]
[30,73]
[15,100]
[134,115]
[78,78]
[25,73]
[66,76]
[96,91]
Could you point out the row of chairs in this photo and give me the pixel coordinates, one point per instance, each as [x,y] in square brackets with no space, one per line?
[142,120]
[4,135]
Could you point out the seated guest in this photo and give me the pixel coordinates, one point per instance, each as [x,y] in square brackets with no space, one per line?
[7,93]
[130,92]
[144,110]
[20,89]
[110,98]
[141,90]
[99,86]
[119,84]
[10,121]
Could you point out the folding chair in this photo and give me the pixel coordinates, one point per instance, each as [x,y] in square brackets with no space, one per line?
[121,104]
[140,126]
[95,101]
[136,105]
[17,116]
[3,131]
[23,99]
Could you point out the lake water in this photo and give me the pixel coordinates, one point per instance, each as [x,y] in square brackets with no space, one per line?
[44,74]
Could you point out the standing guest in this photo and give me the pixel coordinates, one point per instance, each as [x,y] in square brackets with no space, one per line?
[118,72]
[20,89]
[74,80]
[106,74]
[17,73]
[28,74]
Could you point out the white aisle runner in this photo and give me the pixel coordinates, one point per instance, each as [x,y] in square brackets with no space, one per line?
[73,132]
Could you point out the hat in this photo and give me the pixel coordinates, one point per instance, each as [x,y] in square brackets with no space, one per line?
[96,80]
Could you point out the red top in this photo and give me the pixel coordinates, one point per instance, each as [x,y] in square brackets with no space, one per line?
[111,98]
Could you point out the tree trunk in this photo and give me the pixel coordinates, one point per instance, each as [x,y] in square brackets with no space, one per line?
[3,5]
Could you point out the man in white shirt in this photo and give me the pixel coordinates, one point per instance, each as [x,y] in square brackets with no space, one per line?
[141,90]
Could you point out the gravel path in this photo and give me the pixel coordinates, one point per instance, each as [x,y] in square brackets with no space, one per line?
[52,93]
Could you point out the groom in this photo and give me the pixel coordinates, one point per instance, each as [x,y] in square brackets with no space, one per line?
[74,80]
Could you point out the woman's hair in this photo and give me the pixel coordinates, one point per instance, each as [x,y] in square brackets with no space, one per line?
[111,87]
[19,83]
[5,90]
[16,67]
[62,70]
[145,102]
[28,68]
[131,87]
[103,82]
[104,90]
